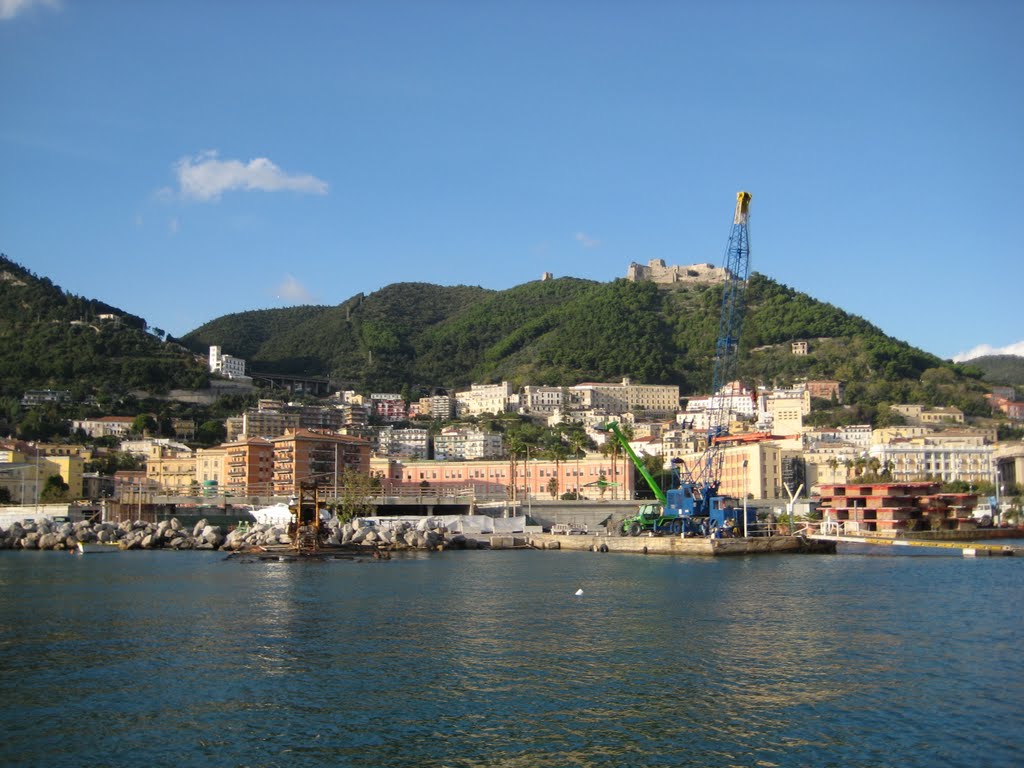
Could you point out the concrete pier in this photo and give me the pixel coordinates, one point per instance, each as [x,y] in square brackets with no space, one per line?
[676,545]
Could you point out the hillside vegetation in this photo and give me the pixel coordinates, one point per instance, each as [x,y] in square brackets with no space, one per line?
[414,337]
[53,339]
[1001,370]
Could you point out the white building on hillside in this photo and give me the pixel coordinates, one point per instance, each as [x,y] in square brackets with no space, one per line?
[467,444]
[625,396]
[485,398]
[226,365]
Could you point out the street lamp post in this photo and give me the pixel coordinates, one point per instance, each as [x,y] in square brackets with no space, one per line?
[746,493]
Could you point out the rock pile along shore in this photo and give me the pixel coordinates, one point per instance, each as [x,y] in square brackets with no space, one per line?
[428,533]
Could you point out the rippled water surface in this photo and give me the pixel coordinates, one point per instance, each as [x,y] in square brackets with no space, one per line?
[490,659]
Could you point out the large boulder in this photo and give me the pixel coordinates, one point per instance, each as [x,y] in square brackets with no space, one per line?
[211,534]
[197,530]
[359,535]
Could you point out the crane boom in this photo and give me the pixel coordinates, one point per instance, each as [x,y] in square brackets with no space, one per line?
[730,324]
[693,506]
[613,427]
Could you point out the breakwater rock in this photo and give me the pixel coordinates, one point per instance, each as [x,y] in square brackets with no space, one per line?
[428,533]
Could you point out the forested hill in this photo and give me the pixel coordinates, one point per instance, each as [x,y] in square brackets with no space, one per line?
[414,337]
[1006,370]
[53,339]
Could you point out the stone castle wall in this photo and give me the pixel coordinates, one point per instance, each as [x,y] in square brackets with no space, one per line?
[657,272]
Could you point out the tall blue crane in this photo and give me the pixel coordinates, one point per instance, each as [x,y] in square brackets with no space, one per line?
[730,324]
[693,506]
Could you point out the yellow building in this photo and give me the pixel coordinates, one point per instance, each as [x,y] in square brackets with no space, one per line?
[24,474]
[171,472]
[211,468]
[752,469]
[68,467]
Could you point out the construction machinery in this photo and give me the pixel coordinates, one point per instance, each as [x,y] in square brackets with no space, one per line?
[305,529]
[686,509]
[693,505]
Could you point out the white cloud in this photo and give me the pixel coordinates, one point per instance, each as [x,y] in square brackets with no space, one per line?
[206,177]
[586,240]
[11,8]
[987,349]
[293,291]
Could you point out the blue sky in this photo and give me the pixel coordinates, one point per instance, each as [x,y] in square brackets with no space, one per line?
[185,160]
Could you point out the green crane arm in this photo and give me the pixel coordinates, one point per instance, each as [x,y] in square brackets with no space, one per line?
[613,427]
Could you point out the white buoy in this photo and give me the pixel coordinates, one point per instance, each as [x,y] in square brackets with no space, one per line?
[579,592]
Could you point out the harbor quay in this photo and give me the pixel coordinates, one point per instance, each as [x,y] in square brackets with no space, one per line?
[674,545]
[375,536]
[586,526]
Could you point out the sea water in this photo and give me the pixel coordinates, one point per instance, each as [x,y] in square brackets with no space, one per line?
[493,659]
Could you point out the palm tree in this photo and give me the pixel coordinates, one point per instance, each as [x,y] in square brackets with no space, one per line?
[610,447]
[516,448]
[577,441]
[557,452]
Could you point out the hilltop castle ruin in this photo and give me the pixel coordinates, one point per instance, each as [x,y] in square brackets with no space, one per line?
[657,272]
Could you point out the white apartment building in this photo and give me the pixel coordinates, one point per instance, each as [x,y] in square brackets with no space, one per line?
[105,426]
[625,396]
[404,443]
[542,400]
[924,459]
[467,444]
[741,405]
[484,398]
[226,365]
[856,434]
[260,423]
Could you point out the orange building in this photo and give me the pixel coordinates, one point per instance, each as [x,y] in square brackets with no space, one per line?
[249,467]
[305,455]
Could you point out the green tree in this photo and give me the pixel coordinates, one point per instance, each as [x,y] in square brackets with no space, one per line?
[211,432]
[355,495]
[144,424]
[54,490]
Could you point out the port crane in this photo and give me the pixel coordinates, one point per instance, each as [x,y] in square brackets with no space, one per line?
[730,324]
[693,506]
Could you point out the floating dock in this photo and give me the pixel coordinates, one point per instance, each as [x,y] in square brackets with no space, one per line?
[968,548]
